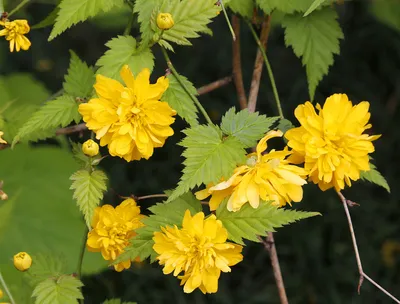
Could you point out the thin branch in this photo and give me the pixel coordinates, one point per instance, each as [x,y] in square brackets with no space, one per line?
[259,64]
[151,196]
[18,7]
[269,69]
[237,65]
[346,203]
[177,76]
[72,129]
[8,292]
[214,85]
[81,256]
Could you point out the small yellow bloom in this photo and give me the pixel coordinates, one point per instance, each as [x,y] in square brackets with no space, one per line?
[199,250]
[2,141]
[22,261]
[90,148]
[131,120]
[1,293]
[165,21]
[269,176]
[112,230]
[14,32]
[331,143]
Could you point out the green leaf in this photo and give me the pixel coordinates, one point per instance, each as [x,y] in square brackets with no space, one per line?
[49,20]
[386,12]
[190,19]
[62,290]
[164,214]
[58,112]
[80,79]
[248,223]
[179,99]
[315,38]
[209,156]
[74,11]
[79,156]
[40,215]
[145,8]
[122,50]
[316,4]
[45,266]
[286,6]
[375,177]
[17,102]
[247,127]
[89,188]
[244,8]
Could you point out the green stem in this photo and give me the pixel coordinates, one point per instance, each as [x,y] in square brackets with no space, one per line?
[194,99]
[129,25]
[19,6]
[227,20]
[1,7]
[2,282]
[269,69]
[81,256]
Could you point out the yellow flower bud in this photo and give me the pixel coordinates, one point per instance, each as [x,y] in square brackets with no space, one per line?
[1,294]
[165,21]
[22,261]
[90,148]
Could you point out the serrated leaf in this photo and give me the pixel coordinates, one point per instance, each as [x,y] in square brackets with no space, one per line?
[285,6]
[315,39]
[122,50]
[248,223]
[247,127]
[316,4]
[89,188]
[145,8]
[74,11]
[179,99]
[44,267]
[78,154]
[190,19]
[55,113]
[164,214]
[62,290]
[244,8]
[80,79]
[49,20]
[208,157]
[375,177]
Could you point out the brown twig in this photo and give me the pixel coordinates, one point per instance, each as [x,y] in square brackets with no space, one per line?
[346,203]
[72,129]
[151,196]
[258,65]
[237,65]
[214,85]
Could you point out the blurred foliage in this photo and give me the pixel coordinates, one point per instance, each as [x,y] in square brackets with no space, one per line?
[316,255]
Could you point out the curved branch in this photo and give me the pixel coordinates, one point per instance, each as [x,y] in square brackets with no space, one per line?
[237,64]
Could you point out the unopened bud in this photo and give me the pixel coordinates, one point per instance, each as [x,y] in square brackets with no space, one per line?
[165,21]
[90,148]
[22,261]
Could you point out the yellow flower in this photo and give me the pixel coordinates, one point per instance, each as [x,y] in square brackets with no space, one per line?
[2,141]
[332,143]
[269,176]
[90,148]
[14,32]
[131,120]
[1,293]
[22,261]
[112,230]
[199,249]
[165,21]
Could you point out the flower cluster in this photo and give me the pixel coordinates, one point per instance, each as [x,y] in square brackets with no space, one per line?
[331,143]
[199,250]
[112,230]
[131,120]
[268,176]
[14,32]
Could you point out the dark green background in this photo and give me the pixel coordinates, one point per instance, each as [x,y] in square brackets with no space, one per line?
[316,255]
